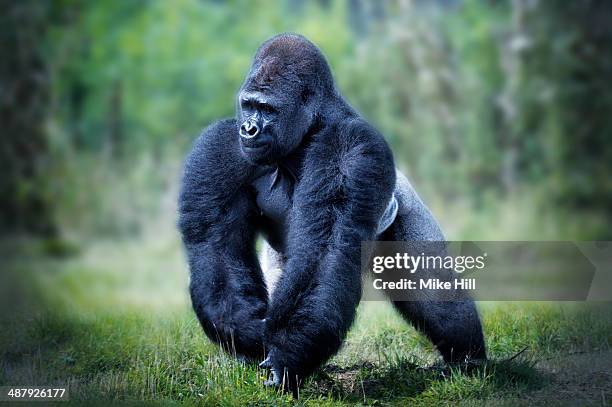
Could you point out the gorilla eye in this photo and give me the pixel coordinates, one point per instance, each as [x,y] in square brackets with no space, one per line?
[267,108]
[246,104]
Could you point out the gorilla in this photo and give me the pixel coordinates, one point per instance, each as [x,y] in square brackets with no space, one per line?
[299,167]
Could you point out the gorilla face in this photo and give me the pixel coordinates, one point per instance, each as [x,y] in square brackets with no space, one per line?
[272,122]
[288,84]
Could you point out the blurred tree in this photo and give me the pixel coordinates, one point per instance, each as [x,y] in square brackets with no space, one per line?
[114,139]
[584,89]
[363,14]
[567,97]
[24,87]
[480,101]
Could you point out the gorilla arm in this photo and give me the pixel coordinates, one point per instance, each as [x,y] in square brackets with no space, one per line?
[348,178]
[215,214]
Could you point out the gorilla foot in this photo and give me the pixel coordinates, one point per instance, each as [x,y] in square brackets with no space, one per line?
[278,381]
[275,381]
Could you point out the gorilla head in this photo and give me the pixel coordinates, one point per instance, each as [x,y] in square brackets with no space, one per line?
[281,97]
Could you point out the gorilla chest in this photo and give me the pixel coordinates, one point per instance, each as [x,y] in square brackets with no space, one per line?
[274,193]
[274,197]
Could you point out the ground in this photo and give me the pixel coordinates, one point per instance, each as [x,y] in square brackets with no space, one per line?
[112,321]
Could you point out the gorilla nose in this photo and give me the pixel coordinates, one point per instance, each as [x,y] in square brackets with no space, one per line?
[249,129]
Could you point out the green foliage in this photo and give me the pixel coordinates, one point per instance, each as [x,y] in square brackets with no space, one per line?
[172,68]
[481,102]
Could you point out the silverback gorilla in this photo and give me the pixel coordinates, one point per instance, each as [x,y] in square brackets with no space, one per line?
[301,168]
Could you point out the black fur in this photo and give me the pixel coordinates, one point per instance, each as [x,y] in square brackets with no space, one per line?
[314,181]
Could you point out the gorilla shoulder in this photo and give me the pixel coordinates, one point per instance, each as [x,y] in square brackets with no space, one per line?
[218,140]
[216,152]
[355,131]
[362,148]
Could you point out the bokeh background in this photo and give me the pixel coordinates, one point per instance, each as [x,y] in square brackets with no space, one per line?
[500,113]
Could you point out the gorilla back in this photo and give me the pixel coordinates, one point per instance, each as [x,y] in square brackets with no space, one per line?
[301,168]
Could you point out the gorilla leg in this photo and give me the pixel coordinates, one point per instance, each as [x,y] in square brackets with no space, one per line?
[452,325]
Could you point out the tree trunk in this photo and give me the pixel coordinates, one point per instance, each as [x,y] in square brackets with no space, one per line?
[24,204]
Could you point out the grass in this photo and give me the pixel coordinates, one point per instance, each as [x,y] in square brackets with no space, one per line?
[113,323]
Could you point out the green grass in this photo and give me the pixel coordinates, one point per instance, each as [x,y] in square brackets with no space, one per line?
[113,323]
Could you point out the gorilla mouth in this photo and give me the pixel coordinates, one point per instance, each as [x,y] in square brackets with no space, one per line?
[257,153]
[256,146]
[254,149]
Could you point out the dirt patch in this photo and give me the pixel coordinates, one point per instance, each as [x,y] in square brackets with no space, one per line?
[578,379]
